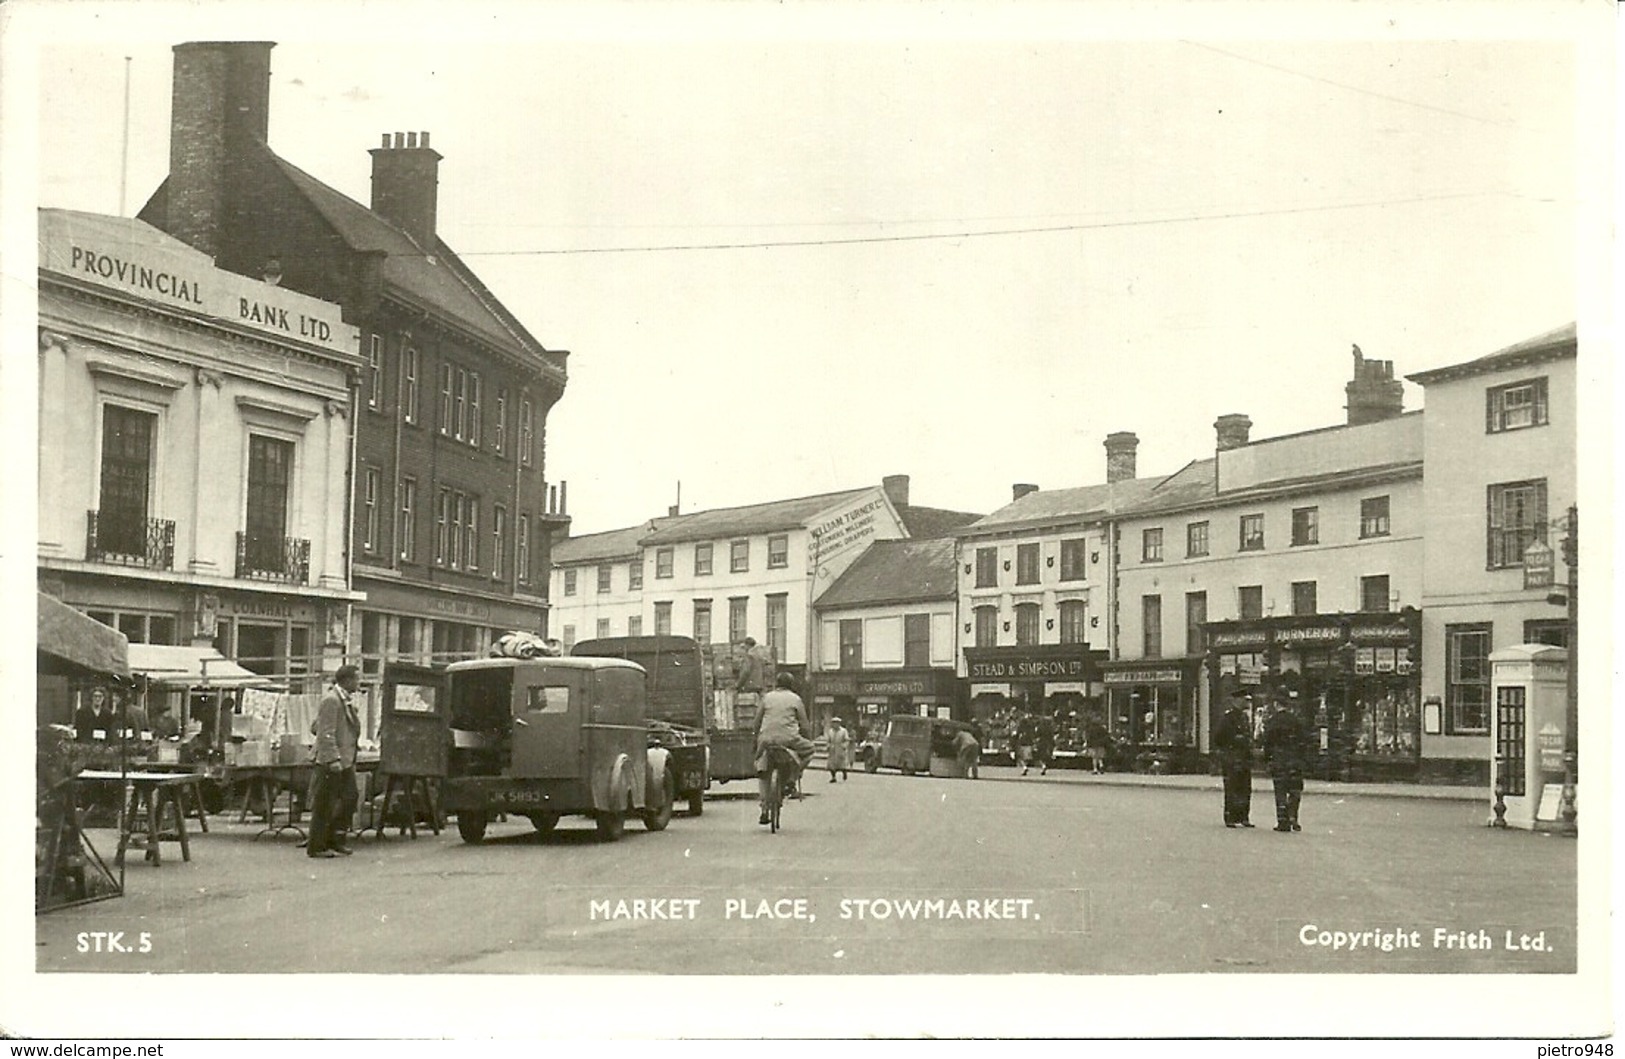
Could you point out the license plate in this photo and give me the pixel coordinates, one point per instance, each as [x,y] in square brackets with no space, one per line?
[692,781]
[519,797]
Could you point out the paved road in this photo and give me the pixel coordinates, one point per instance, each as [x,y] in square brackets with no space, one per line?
[1065,876]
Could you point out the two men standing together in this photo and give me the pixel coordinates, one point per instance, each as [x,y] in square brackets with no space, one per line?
[1286,755]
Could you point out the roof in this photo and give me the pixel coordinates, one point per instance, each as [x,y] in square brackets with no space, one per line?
[1553,345]
[597,547]
[69,640]
[897,571]
[567,662]
[924,522]
[190,667]
[744,521]
[1048,506]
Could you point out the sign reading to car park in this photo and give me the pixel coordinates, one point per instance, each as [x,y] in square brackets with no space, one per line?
[1537,565]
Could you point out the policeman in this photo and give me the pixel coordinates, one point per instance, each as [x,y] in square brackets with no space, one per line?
[1286,754]
[1233,742]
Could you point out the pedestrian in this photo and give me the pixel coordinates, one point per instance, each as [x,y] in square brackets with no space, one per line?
[1097,737]
[94,721]
[1286,754]
[164,723]
[1044,743]
[968,749]
[782,721]
[1233,743]
[838,758]
[1026,736]
[338,728]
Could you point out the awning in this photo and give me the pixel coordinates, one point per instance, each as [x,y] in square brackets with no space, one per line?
[191,667]
[68,641]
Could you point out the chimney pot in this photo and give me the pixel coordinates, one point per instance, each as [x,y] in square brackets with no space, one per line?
[1021,489]
[896,488]
[1373,394]
[1120,461]
[1232,431]
[385,143]
[424,141]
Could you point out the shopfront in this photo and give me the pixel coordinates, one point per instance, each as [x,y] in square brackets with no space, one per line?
[864,698]
[1356,677]
[1152,710]
[1060,680]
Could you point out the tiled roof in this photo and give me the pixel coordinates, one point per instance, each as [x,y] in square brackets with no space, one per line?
[1554,344]
[594,547]
[924,522]
[896,571]
[1191,484]
[744,521]
[1063,505]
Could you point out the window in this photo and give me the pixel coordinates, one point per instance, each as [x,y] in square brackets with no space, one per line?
[375,372]
[442,526]
[1467,678]
[738,610]
[1026,564]
[739,557]
[471,533]
[1250,601]
[569,638]
[1073,554]
[370,484]
[499,439]
[702,560]
[499,540]
[663,562]
[270,474]
[987,626]
[1305,525]
[605,577]
[473,435]
[702,620]
[663,618]
[445,400]
[987,567]
[127,464]
[406,525]
[521,558]
[1517,518]
[778,623]
[634,575]
[1027,623]
[1195,616]
[459,415]
[1374,517]
[1151,626]
[1252,533]
[603,628]
[1374,593]
[1195,539]
[634,625]
[1303,598]
[570,581]
[409,384]
[851,643]
[526,430]
[778,552]
[1554,632]
[1151,545]
[1515,406]
[1073,626]
[917,640]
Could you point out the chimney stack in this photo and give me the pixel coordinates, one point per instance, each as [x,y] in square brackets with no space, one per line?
[1232,431]
[1021,489]
[220,105]
[896,487]
[1120,461]
[405,185]
[1373,394]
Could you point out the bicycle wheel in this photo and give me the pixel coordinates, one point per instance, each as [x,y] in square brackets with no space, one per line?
[775,798]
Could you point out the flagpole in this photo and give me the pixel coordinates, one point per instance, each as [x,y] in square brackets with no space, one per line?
[124,155]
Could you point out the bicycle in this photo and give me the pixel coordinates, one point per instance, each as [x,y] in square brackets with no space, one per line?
[782,770]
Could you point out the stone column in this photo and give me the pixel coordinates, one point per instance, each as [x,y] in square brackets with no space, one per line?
[57,509]
[210,537]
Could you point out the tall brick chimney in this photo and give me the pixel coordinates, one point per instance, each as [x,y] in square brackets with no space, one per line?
[896,488]
[1120,462]
[1373,394]
[1232,431]
[1021,489]
[405,184]
[220,103]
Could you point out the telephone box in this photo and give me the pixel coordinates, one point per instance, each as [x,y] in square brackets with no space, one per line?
[1529,712]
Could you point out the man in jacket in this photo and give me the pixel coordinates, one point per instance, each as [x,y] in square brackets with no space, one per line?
[338,729]
[1286,754]
[782,721]
[1233,743]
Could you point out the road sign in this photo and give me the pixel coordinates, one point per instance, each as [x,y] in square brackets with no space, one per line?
[1537,565]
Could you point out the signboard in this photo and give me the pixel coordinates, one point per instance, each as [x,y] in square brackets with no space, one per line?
[841,532]
[1537,565]
[1550,741]
[1161,675]
[1551,799]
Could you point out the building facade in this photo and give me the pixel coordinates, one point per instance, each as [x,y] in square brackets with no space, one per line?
[453,516]
[194,448]
[1500,445]
[597,585]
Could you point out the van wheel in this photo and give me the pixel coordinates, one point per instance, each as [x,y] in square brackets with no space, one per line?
[610,826]
[907,764]
[544,822]
[471,825]
[871,763]
[656,819]
[696,803]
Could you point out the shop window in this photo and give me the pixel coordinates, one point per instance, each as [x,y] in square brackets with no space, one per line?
[778,552]
[634,576]
[738,614]
[1517,518]
[1252,533]
[161,629]
[1515,406]
[1305,526]
[917,640]
[372,644]
[1151,626]
[1374,517]
[1250,602]
[1303,598]
[702,559]
[1151,545]
[739,557]
[1196,539]
[778,623]
[1195,616]
[1374,593]
[664,558]
[1467,678]
[1026,564]
[987,567]
[702,620]
[606,574]
[1074,627]
[1027,615]
[1074,554]
[1552,632]
[851,643]
[987,626]
[663,618]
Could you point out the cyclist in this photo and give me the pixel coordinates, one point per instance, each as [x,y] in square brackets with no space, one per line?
[781,721]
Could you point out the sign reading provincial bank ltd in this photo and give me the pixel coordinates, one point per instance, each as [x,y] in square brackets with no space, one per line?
[134,258]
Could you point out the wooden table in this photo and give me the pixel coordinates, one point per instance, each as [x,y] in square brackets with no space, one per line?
[268,780]
[145,796]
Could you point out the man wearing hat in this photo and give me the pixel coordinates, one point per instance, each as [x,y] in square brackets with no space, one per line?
[1233,743]
[1286,753]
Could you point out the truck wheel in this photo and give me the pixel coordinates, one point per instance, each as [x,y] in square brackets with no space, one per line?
[871,763]
[907,764]
[471,825]
[696,803]
[656,819]
[544,822]
[610,826]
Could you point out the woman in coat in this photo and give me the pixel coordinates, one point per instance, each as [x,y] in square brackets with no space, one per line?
[839,757]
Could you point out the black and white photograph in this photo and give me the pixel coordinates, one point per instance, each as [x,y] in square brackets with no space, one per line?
[771,520]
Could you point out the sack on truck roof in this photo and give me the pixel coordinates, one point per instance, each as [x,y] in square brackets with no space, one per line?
[523,645]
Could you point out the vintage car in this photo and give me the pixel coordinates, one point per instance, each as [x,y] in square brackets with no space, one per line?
[910,743]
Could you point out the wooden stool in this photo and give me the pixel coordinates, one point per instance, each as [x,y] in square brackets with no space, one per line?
[407,785]
[149,802]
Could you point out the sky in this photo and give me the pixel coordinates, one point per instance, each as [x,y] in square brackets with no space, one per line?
[795,254]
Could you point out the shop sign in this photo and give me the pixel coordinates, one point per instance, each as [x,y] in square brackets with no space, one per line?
[460,608]
[1247,638]
[1395,633]
[1550,741]
[1537,565]
[893,687]
[990,689]
[839,533]
[834,684]
[250,607]
[1143,676]
[1309,634]
[1029,669]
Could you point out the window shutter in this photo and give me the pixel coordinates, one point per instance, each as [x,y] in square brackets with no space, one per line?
[1540,401]
[1540,513]
[1489,527]
[1489,411]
